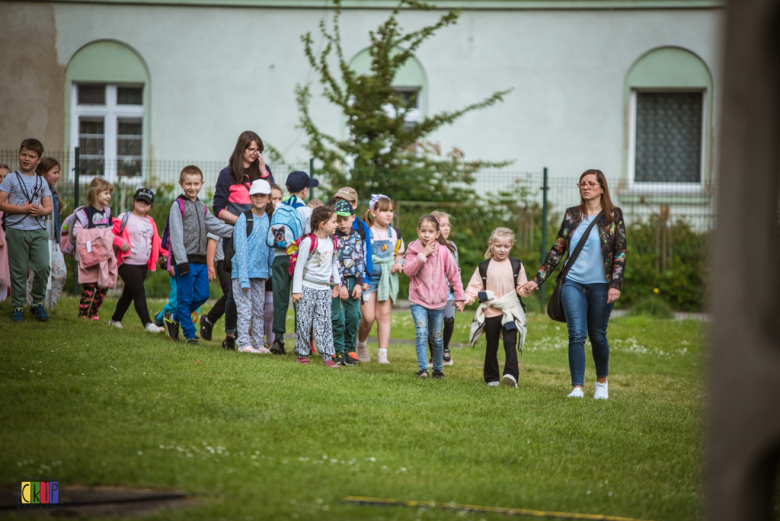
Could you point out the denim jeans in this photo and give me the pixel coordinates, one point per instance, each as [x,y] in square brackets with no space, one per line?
[429,325]
[587,314]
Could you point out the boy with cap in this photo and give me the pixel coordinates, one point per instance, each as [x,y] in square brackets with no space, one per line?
[139,232]
[298,184]
[345,309]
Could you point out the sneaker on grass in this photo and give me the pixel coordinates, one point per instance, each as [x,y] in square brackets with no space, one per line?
[576,393]
[338,359]
[348,360]
[193,341]
[438,374]
[114,323]
[229,343]
[602,391]
[17,315]
[39,312]
[171,328]
[248,349]
[354,357]
[331,364]
[447,358]
[278,347]
[493,384]
[263,350]
[159,320]
[509,380]
[422,373]
[205,328]
[151,328]
[303,360]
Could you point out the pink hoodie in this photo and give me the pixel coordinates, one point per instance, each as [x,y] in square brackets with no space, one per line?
[428,284]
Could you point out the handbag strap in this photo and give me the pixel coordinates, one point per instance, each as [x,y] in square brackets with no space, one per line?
[572,258]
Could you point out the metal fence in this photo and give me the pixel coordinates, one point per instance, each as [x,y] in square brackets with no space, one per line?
[668,230]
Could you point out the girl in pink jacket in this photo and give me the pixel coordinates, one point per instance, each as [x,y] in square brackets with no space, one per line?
[430,264]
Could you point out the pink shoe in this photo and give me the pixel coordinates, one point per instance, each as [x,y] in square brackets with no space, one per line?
[331,363]
[248,349]
[303,360]
[263,350]
[94,318]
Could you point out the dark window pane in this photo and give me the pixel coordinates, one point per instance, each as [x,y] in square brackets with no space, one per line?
[130,95]
[129,167]
[92,94]
[91,137]
[129,145]
[130,127]
[668,137]
[92,167]
[406,95]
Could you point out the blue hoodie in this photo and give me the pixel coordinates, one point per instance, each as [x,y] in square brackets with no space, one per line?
[253,258]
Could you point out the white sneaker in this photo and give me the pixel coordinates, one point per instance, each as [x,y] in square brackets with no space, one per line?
[151,328]
[382,356]
[493,384]
[263,350]
[576,393]
[509,380]
[114,323]
[248,349]
[602,391]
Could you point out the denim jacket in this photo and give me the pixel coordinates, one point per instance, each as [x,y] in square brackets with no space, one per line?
[612,237]
[254,258]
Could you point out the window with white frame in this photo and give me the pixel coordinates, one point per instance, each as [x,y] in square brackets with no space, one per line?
[666,146]
[410,96]
[107,126]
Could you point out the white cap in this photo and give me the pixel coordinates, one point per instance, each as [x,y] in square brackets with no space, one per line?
[260,186]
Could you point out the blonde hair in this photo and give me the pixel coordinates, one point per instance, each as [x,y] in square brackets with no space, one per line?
[499,232]
[98,184]
[439,215]
[315,203]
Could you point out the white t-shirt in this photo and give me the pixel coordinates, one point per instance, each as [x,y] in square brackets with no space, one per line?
[140,231]
[318,270]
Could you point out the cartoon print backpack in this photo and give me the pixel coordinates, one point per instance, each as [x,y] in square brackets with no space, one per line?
[292,251]
[286,224]
[165,242]
[67,237]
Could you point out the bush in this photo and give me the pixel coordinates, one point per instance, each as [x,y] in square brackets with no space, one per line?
[653,306]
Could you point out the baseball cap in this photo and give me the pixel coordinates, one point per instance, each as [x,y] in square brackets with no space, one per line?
[144,194]
[348,194]
[298,180]
[343,208]
[260,186]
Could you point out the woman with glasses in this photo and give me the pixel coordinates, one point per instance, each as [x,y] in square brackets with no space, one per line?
[593,282]
[231,199]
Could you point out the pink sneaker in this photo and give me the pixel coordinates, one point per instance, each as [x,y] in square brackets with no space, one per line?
[248,349]
[94,318]
[331,363]
[263,350]
[303,360]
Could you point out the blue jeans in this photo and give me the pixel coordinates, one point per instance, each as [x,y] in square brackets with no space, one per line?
[587,314]
[192,291]
[429,325]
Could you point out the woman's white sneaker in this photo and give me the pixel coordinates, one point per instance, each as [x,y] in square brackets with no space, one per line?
[576,393]
[151,328]
[114,323]
[602,391]
[509,380]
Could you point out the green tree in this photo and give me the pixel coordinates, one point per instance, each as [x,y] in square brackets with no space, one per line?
[381,153]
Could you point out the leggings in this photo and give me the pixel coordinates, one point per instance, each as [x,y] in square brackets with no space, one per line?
[270,336]
[224,281]
[133,276]
[91,299]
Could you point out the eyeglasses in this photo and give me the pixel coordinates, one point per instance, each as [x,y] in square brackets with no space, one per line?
[587,185]
[253,151]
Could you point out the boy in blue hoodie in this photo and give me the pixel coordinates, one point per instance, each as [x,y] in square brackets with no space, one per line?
[252,266]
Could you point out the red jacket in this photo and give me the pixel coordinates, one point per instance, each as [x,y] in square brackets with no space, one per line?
[157,249]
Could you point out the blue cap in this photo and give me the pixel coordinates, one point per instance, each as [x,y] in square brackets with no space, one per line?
[298,180]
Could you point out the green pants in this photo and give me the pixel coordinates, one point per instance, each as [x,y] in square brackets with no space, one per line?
[345,317]
[27,248]
[281,280]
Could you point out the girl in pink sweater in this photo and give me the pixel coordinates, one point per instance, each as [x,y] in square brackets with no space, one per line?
[430,264]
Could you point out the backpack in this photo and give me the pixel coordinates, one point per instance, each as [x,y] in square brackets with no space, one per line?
[292,251]
[516,266]
[165,242]
[286,224]
[67,237]
[230,249]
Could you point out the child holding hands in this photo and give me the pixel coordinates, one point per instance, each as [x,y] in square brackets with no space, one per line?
[316,269]
[430,265]
[496,283]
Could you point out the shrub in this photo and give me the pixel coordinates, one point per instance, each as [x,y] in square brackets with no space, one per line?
[652,306]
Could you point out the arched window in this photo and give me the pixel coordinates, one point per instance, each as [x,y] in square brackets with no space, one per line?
[669,95]
[108,109]
[410,79]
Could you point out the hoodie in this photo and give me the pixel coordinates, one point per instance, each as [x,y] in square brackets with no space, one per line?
[429,275]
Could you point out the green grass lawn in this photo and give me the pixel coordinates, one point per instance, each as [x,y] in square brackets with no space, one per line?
[261,437]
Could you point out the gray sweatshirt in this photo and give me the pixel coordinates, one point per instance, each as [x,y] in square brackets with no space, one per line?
[188,234]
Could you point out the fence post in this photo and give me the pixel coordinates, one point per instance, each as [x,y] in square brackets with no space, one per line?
[311,174]
[76,172]
[543,249]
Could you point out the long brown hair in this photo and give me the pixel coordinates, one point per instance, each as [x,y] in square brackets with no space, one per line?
[440,239]
[46,165]
[606,201]
[236,161]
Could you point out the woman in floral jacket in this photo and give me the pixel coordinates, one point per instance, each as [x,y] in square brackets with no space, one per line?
[593,283]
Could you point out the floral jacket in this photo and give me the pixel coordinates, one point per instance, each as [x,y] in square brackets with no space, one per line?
[612,237]
[350,256]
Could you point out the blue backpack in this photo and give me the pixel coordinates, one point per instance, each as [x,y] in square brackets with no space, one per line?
[286,224]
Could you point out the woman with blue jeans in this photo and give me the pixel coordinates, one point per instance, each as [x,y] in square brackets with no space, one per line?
[593,283]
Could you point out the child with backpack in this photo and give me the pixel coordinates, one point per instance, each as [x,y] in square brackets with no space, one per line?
[289,223]
[90,223]
[138,230]
[430,265]
[497,282]
[345,309]
[387,248]
[449,310]
[25,199]
[5,273]
[252,265]
[185,238]
[315,269]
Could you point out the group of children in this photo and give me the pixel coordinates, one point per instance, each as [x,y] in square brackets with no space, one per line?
[341,271]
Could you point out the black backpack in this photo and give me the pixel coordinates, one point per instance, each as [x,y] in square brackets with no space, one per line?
[229,249]
[516,266]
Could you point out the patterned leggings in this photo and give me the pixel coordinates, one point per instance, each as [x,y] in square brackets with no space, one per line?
[91,299]
[313,320]
[249,305]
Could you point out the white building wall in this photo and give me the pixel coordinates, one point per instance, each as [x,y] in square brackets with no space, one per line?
[218,71]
